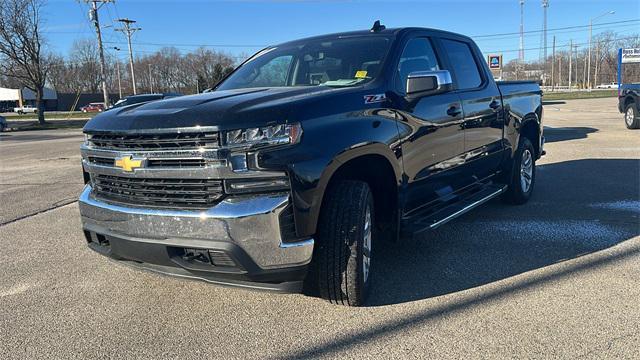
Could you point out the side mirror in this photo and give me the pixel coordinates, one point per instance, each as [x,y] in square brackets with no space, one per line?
[421,83]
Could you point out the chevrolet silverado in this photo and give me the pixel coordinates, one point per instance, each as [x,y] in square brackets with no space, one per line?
[289,173]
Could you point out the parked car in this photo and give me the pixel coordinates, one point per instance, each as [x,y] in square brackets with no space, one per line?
[629,105]
[93,107]
[26,109]
[136,99]
[306,157]
[3,123]
[611,85]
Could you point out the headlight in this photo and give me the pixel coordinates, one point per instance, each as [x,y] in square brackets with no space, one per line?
[267,135]
[87,137]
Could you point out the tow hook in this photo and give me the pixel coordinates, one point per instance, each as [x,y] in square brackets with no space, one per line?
[196,254]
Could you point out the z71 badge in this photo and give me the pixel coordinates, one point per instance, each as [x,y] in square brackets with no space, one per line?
[370,99]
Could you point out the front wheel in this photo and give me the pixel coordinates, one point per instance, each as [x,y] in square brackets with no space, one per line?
[631,118]
[345,238]
[523,174]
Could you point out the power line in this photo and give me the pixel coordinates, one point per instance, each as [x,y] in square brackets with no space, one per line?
[200,45]
[596,26]
[554,29]
[575,44]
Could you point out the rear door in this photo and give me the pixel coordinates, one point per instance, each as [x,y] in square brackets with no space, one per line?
[432,129]
[481,103]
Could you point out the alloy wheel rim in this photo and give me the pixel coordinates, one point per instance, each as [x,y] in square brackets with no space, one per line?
[526,170]
[366,244]
[629,116]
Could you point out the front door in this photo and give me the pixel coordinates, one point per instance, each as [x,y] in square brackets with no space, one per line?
[431,131]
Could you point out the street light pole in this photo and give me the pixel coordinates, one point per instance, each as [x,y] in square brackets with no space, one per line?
[118,73]
[590,36]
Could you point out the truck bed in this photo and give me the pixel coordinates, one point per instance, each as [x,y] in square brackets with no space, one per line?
[518,96]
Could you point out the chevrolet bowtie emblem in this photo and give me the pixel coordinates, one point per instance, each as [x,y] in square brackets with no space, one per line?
[127,163]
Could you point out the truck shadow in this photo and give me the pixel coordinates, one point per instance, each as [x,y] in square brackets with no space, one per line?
[567,133]
[574,211]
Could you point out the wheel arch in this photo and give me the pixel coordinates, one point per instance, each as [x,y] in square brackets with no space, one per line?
[530,128]
[374,164]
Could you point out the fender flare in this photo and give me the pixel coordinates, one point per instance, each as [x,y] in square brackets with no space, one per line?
[528,118]
[377,149]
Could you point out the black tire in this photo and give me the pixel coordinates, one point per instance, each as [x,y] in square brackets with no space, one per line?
[340,252]
[516,192]
[631,118]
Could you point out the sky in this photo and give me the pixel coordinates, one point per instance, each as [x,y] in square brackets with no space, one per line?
[242,27]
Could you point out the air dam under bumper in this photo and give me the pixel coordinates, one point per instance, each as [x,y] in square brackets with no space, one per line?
[237,242]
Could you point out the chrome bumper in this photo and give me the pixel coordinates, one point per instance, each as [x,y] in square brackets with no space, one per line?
[248,222]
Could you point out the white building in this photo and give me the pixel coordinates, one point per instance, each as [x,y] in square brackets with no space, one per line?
[10,98]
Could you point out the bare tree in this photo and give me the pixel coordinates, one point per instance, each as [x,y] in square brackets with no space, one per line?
[86,61]
[21,46]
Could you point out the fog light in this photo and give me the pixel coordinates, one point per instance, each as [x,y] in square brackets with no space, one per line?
[256,185]
[221,258]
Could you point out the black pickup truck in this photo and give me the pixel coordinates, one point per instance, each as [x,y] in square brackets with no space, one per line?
[629,104]
[288,174]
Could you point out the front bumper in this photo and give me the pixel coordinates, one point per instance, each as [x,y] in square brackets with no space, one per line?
[238,240]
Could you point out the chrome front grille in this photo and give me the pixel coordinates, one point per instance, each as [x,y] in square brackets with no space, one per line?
[157,163]
[144,142]
[166,193]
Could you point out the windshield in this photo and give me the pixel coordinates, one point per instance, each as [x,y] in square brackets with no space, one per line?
[325,62]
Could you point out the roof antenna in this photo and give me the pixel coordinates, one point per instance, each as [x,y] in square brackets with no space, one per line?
[377,27]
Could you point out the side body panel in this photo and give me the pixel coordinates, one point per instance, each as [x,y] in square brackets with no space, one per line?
[327,143]
[522,103]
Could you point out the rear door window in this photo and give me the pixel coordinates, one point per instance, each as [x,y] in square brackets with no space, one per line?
[465,67]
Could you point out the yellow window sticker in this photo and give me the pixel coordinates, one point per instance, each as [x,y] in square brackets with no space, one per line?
[361,74]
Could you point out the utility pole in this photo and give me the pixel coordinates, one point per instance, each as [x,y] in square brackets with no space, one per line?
[128,30]
[553,63]
[560,71]
[150,79]
[595,77]
[570,57]
[93,16]
[584,73]
[575,47]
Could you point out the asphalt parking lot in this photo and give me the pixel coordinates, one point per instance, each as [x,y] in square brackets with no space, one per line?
[557,277]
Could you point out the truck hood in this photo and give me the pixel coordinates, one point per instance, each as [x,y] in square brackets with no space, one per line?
[222,110]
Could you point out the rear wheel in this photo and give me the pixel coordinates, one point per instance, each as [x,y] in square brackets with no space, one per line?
[345,238]
[631,118]
[523,175]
